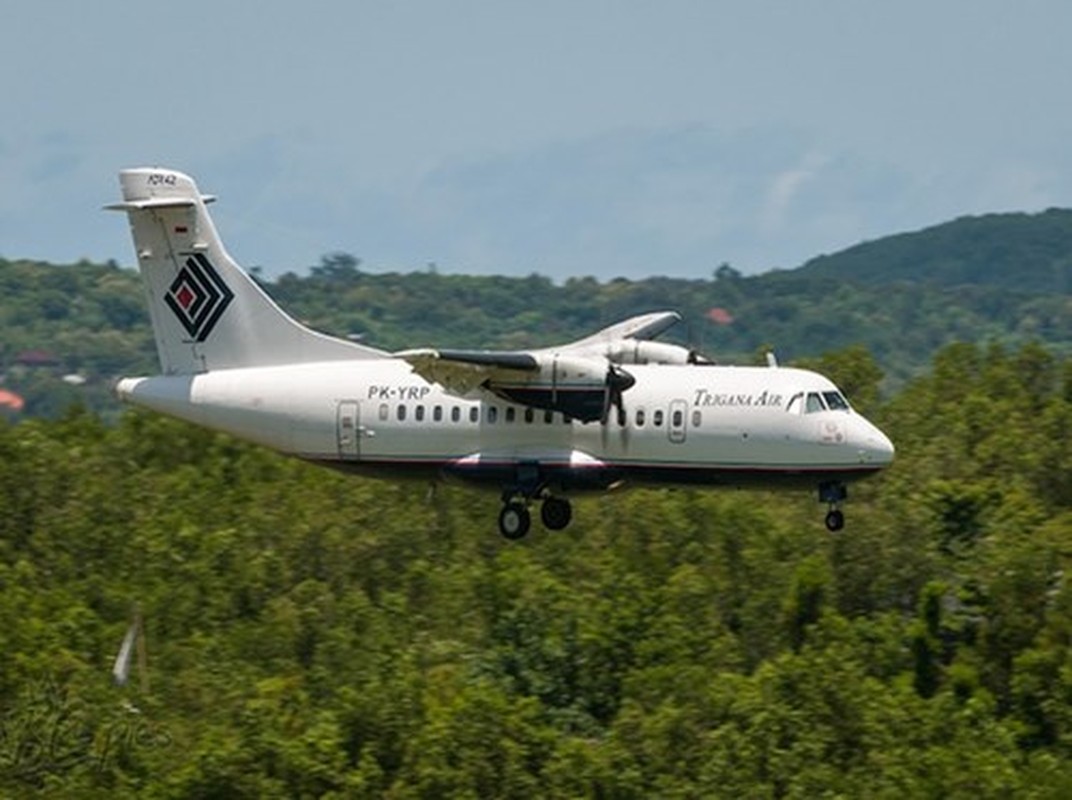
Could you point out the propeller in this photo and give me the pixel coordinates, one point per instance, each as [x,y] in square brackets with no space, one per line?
[617,383]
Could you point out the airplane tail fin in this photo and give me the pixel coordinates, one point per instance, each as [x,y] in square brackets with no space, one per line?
[206,312]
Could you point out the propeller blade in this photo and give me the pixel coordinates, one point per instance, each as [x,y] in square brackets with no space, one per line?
[618,382]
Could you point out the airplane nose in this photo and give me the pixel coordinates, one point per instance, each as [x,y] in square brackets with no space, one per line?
[873,445]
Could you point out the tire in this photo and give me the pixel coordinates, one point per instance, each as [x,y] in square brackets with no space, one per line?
[514,521]
[556,513]
[835,521]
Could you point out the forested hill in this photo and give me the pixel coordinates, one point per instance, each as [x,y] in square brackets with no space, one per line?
[1025,252]
[68,331]
[308,634]
[301,633]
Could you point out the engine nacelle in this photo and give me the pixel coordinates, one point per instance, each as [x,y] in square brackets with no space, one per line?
[579,387]
[632,351]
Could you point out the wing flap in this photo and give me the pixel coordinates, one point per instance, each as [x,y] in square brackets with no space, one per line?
[461,371]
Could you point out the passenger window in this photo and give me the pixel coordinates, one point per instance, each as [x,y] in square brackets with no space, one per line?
[697,418]
[384,412]
[455,414]
[418,413]
[657,418]
[548,417]
[814,403]
[530,415]
[511,414]
[474,414]
[835,401]
[678,418]
[401,413]
[640,418]
[437,413]
[493,414]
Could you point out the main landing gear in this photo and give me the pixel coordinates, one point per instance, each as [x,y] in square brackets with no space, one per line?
[515,520]
[833,494]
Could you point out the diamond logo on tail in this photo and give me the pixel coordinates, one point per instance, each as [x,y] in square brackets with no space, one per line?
[198,297]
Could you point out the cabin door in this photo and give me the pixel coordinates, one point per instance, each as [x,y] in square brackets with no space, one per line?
[347,429]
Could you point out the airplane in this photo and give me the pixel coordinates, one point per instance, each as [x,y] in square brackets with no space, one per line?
[538,426]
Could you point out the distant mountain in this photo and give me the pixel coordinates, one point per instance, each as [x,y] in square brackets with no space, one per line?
[1024,252]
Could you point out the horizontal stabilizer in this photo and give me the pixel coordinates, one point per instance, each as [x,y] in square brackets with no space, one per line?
[158,202]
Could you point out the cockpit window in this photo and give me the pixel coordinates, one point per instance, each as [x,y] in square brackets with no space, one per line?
[835,401]
[814,403]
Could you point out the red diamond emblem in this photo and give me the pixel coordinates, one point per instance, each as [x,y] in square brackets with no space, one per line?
[185,297]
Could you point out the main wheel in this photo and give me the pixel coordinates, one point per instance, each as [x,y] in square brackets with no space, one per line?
[556,513]
[514,521]
[835,520]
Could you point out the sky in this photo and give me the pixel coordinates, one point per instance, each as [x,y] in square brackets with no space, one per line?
[565,137]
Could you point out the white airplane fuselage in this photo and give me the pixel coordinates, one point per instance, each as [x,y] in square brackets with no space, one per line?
[684,424]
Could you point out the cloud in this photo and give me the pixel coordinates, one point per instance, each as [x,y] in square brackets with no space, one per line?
[634,202]
[784,189]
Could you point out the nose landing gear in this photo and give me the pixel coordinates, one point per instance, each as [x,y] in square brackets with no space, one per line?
[833,494]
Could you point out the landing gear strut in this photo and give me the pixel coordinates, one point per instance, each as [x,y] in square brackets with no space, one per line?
[833,494]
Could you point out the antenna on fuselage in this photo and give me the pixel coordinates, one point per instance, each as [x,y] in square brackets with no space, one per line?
[772,360]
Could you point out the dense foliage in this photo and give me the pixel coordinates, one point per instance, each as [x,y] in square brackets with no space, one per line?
[313,635]
[84,320]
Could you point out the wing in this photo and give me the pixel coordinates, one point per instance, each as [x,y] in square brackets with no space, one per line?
[641,327]
[461,371]
[580,379]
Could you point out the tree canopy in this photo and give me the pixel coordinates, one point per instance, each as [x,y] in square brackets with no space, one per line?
[313,635]
[305,634]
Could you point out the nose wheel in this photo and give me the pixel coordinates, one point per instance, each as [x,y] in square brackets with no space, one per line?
[833,494]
